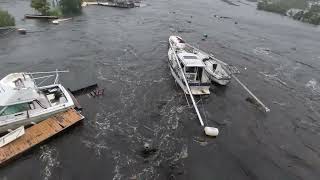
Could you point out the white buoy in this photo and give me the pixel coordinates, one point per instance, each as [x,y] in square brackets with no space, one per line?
[84,4]
[55,22]
[22,31]
[211,131]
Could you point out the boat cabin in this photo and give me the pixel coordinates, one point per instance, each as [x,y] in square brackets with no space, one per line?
[19,94]
[192,66]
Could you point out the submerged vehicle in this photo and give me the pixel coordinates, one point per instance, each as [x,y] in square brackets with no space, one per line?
[25,102]
[186,64]
[215,69]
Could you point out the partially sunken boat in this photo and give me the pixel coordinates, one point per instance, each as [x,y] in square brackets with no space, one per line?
[25,102]
[184,63]
[215,69]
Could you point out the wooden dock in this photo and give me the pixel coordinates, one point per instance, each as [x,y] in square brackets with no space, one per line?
[36,16]
[39,133]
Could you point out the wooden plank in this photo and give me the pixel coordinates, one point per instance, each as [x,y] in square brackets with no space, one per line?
[38,133]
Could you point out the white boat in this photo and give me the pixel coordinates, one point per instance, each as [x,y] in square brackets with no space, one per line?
[25,102]
[193,68]
[215,69]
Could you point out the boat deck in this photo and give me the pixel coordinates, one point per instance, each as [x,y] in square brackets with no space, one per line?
[39,133]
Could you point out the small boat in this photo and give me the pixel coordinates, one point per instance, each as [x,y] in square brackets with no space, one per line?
[57,21]
[215,69]
[25,102]
[188,65]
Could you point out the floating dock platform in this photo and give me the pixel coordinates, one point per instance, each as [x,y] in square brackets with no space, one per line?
[36,16]
[39,133]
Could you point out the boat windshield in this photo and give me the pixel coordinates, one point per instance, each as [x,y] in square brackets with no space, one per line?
[214,67]
[191,69]
[14,109]
[2,109]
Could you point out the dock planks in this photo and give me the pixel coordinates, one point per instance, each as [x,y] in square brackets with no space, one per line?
[39,133]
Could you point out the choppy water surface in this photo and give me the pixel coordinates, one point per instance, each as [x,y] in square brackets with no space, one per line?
[125,51]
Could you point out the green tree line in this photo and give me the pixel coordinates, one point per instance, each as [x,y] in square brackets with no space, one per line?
[309,15]
[6,19]
[57,8]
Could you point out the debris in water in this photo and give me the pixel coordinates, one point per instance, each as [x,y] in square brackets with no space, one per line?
[313,85]
[200,140]
[84,90]
[148,150]
[225,17]
[261,50]
[22,31]
[279,103]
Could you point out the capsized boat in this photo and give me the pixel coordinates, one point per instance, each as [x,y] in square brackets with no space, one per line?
[185,63]
[215,69]
[25,102]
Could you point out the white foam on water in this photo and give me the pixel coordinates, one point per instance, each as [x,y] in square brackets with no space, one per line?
[97,147]
[279,103]
[314,86]
[49,157]
[202,143]
[261,51]
[100,75]
[274,78]
[184,152]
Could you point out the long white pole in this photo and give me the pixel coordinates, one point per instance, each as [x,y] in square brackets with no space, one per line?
[49,72]
[245,87]
[189,90]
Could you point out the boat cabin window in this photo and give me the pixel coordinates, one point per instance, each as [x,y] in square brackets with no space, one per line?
[189,57]
[191,69]
[182,65]
[214,67]
[14,109]
[180,40]
[19,83]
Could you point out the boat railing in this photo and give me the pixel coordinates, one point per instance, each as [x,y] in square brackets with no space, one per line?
[44,77]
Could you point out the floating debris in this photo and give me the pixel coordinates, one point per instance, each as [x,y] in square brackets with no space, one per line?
[262,50]
[148,150]
[22,31]
[57,21]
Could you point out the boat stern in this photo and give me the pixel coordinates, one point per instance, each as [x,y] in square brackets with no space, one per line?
[199,90]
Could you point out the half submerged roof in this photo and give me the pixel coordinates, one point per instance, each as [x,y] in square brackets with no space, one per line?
[17,88]
[191,60]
